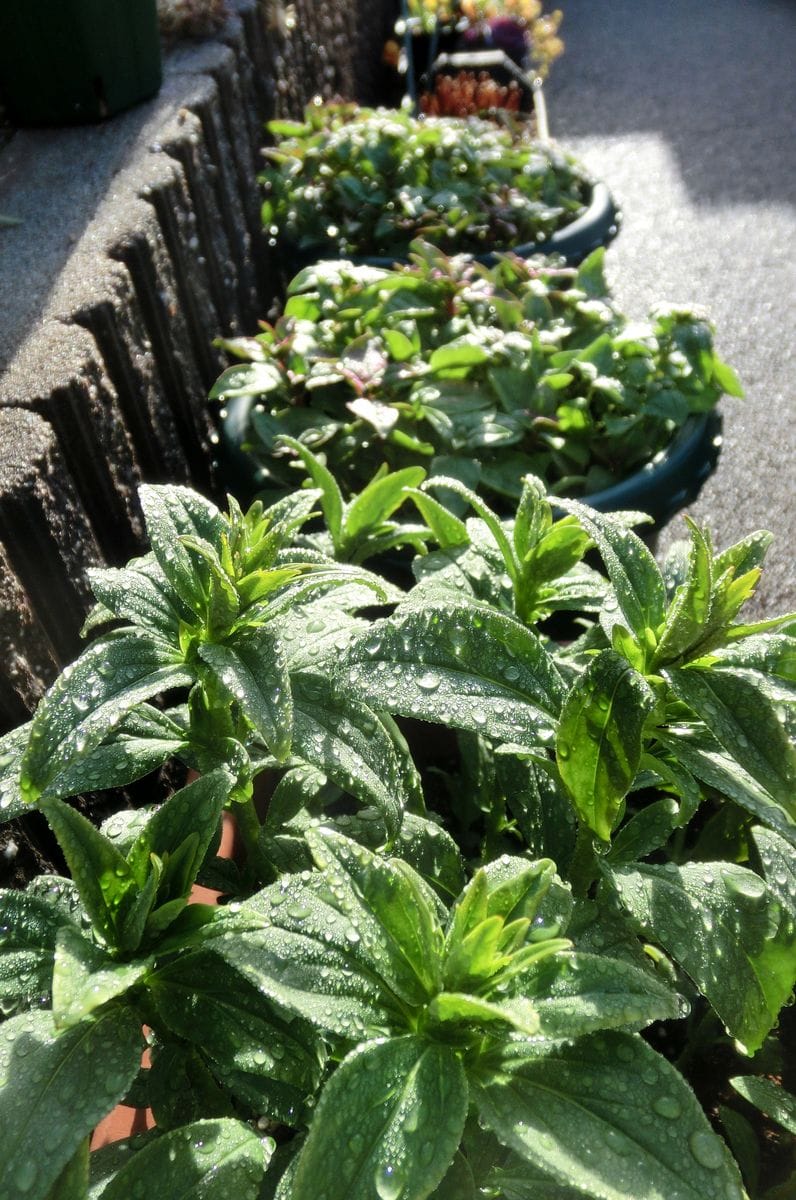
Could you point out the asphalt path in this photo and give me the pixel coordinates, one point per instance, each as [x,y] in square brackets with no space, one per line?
[687,111]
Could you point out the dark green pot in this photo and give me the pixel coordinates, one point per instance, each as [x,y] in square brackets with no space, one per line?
[63,62]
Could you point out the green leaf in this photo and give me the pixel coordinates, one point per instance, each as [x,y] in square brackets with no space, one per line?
[207,1003]
[699,752]
[106,883]
[143,741]
[447,529]
[252,667]
[138,595]
[388,911]
[28,929]
[688,613]
[770,1098]
[579,993]
[54,1090]
[599,742]
[778,865]
[12,749]
[331,496]
[639,592]
[378,501]
[607,1116]
[740,717]
[85,977]
[458,665]
[311,962]
[387,1125]
[173,513]
[90,698]
[207,1160]
[72,1183]
[646,831]
[723,927]
[349,743]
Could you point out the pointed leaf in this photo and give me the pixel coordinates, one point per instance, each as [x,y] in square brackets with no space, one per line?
[579,993]
[723,926]
[770,1098]
[90,698]
[699,752]
[388,911]
[688,613]
[54,1090]
[173,512]
[599,742]
[207,1160]
[741,718]
[460,665]
[253,669]
[349,744]
[28,929]
[778,864]
[639,1132]
[85,977]
[398,1107]
[638,585]
[137,595]
[106,883]
[378,501]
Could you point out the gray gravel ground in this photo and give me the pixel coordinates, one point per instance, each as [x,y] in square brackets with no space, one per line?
[687,111]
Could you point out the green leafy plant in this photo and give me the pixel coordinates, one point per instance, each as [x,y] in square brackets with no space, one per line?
[481,373]
[396,1000]
[367,181]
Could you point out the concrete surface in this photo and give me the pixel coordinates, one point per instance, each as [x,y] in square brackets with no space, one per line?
[687,111]
[140,243]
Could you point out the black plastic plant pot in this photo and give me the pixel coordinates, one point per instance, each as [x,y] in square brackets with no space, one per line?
[674,479]
[597,226]
[65,62]
[661,488]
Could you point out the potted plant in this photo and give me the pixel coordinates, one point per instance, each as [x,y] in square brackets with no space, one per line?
[517,28]
[485,373]
[351,181]
[69,61]
[373,1012]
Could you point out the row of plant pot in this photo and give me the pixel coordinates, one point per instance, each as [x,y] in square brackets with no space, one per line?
[512,912]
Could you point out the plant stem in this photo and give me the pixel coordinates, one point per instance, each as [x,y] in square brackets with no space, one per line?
[583,867]
[249,828]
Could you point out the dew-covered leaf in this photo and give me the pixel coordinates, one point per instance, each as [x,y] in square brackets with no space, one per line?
[143,741]
[349,743]
[699,752]
[12,750]
[639,1132]
[744,722]
[646,831]
[107,885]
[388,912]
[91,698]
[207,1003]
[387,1125]
[85,977]
[140,595]
[55,1088]
[311,961]
[579,993]
[28,929]
[638,586]
[770,1098]
[778,864]
[726,930]
[688,612]
[171,513]
[599,741]
[465,666]
[206,1160]
[253,669]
